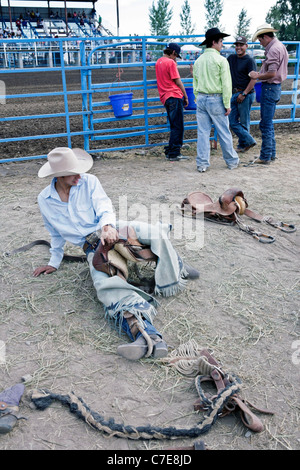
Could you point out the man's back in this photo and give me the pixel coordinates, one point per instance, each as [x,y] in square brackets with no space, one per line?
[166,72]
[212,75]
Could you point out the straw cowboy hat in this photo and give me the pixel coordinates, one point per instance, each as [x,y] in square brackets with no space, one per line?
[63,161]
[264,28]
[211,33]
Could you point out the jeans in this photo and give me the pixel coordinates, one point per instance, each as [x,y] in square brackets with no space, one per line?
[270,95]
[210,110]
[98,278]
[149,329]
[239,119]
[174,107]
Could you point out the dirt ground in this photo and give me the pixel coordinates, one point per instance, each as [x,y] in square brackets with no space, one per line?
[244,307]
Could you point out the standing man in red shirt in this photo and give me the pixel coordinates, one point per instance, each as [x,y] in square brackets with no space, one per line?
[173,96]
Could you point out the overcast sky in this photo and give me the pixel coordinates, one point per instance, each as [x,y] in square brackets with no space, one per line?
[134,15]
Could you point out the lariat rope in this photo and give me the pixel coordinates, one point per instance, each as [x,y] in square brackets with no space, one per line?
[110,428]
[186,360]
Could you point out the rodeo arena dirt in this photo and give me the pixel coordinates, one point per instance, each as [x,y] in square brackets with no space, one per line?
[244,308]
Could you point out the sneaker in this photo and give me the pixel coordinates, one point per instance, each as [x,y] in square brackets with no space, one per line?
[178,158]
[233,167]
[201,169]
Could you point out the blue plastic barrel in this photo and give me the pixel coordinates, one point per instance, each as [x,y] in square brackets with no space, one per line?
[121,104]
[191,98]
[257,87]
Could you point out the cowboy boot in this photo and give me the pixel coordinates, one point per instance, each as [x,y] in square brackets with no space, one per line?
[191,273]
[139,348]
[9,401]
[144,345]
[160,347]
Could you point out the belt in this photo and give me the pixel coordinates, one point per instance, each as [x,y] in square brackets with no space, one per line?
[91,244]
[203,93]
[237,90]
[267,83]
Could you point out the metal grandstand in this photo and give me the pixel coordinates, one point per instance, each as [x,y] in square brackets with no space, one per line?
[17,20]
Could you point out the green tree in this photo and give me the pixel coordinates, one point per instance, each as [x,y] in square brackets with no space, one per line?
[243,25]
[186,20]
[160,17]
[214,10]
[285,16]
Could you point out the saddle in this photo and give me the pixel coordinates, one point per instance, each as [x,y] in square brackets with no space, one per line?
[113,259]
[227,210]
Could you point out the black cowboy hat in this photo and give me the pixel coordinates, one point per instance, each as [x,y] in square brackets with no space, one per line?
[211,33]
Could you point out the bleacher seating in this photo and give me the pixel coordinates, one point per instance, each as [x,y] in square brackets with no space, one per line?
[47,23]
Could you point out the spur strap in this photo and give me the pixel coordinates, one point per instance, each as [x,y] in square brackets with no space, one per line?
[284,227]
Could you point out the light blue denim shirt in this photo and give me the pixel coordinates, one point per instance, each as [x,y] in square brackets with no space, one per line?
[88,210]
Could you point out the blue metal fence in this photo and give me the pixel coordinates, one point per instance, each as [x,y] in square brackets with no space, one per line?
[99,125]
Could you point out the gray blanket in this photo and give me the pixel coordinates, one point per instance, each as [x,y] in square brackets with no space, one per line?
[118,296]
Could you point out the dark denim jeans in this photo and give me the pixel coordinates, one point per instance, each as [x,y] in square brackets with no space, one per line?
[239,119]
[174,107]
[150,329]
[270,95]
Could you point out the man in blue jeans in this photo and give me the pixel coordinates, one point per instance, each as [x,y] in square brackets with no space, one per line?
[273,72]
[213,88]
[241,64]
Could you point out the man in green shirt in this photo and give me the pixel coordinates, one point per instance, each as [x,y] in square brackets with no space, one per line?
[213,88]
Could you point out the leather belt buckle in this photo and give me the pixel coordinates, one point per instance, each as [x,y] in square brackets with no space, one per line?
[92,241]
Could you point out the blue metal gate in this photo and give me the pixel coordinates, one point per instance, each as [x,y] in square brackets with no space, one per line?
[101,131]
[147,109]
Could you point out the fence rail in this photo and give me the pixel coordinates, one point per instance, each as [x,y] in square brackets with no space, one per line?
[99,125]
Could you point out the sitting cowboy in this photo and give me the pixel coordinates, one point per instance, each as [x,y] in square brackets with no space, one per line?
[75,208]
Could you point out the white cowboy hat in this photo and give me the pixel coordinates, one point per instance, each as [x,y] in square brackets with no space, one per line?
[63,161]
[264,28]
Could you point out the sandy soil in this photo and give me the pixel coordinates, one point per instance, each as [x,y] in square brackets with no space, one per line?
[245,307]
